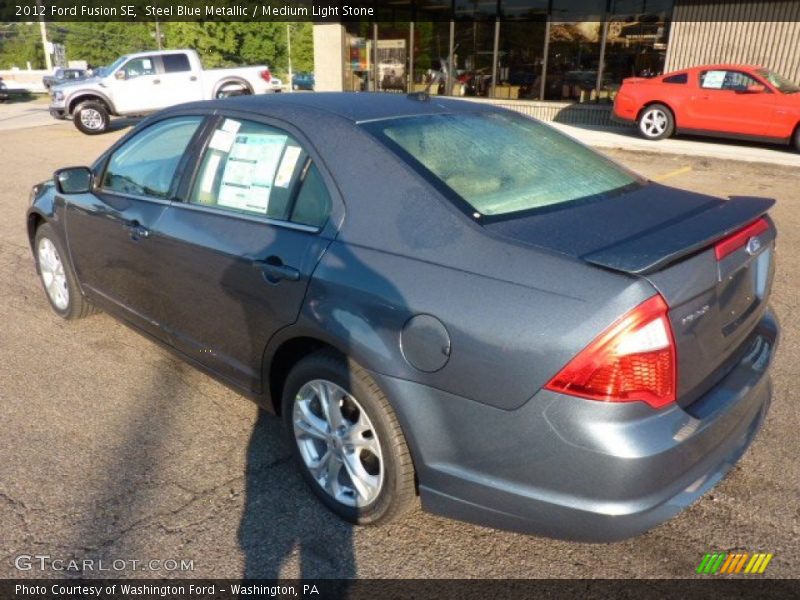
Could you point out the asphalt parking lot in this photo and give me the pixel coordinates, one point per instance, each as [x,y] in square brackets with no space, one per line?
[112,449]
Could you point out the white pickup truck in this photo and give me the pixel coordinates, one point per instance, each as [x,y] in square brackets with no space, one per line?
[137,84]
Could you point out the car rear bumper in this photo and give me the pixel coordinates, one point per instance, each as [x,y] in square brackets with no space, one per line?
[623,120]
[577,469]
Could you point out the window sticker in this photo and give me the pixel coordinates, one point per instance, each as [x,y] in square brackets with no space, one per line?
[250,170]
[231,125]
[288,163]
[714,80]
[222,140]
[147,64]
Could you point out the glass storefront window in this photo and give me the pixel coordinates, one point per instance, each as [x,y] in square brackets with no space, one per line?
[636,41]
[566,50]
[473,46]
[573,60]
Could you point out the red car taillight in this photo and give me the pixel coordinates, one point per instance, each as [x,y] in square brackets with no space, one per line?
[266,75]
[738,239]
[633,360]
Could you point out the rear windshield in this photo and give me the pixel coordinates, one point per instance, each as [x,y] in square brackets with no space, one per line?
[501,164]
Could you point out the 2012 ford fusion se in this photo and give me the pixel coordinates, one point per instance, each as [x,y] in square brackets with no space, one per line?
[440,298]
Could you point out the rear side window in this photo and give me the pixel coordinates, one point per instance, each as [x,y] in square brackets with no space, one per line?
[176,63]
[678,78]
[255,169]
[500,163]
[313,203]
[145,165]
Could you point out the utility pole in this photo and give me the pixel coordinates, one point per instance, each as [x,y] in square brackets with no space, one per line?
[289,49]
[43,29]
[158,34]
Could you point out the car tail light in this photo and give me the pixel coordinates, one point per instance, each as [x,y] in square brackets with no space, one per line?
[739,238]
[266,75]
[632,360]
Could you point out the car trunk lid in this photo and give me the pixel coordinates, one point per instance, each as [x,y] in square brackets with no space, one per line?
[701,253]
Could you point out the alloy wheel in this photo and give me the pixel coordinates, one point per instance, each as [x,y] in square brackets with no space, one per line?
[91,118]
[654,122]
[52,272]
[338,443]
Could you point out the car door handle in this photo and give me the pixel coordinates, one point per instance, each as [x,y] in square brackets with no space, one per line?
[193,78]
[274,270]
[156,81]
[136,230]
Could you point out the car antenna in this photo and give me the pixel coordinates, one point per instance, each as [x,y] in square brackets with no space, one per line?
[425,95]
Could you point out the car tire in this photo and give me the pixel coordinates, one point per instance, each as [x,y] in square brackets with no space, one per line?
[234,90]
[91,117]
[373,480]
[797,138]
[656,122]
[57,276]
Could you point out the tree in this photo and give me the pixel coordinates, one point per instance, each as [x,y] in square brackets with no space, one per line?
[21,44]
[100,43]
[216,42]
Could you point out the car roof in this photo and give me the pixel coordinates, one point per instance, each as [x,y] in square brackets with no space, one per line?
[357,107]
[722,67]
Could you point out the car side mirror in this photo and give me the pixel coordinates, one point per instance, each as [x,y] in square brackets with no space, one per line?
[120,75]
[73,180]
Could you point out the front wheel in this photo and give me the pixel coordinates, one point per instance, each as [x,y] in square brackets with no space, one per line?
[797,138]
[91,117]
[347,440]
[656,122]
[58,278]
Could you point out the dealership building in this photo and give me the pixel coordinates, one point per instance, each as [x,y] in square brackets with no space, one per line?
[543,55]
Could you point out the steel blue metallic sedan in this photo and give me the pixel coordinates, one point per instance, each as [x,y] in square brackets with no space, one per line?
[441,299]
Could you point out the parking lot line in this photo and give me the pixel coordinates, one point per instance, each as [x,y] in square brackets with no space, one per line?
[674,173]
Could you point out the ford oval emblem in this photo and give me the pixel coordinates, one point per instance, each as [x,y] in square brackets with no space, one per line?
[753,246]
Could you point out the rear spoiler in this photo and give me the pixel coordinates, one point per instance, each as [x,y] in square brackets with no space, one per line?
[655,249]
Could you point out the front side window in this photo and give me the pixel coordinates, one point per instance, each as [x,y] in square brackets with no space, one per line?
[145,165]
[501,164]
[139,66]
[726,80]
[255,169]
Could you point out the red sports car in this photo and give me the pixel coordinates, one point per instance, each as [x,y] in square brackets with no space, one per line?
[733,101]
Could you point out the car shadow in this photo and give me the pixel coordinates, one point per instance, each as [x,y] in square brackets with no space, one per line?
[20,96]
[282,521]
[122,123]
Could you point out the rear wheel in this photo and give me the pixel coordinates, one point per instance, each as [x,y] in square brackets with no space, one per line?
[233,90]
[347,440]
[797,138]
[656,122]
[91,117]
[57,276]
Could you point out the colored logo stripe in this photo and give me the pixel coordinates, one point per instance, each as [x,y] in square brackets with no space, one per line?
[722,563]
